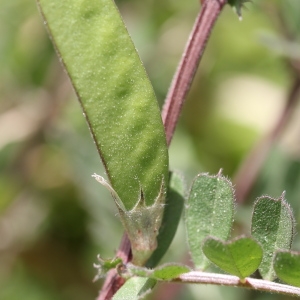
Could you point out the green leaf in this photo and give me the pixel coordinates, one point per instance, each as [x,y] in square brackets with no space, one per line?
[169,271]
[209,211]
[115,94]
[287,267]
[273,227]
[131,270]
[135,288]
[171,218]
[143,280]
[105,265]
[121,109]
[241,256]
[238,5]
[164,272]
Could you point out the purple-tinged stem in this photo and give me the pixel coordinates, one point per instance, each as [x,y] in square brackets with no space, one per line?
[113,281]
[188,65]
[229,280]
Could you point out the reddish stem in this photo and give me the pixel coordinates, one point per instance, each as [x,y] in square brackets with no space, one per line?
[189,63]
[229,280]
[113,281]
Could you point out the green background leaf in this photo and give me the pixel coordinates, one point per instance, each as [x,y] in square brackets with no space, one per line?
[273,227]
[116,96]
[287,267]
[171,218]
[241,256]
[209,211]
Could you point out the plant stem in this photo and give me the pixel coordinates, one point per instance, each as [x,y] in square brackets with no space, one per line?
[229,280]
[113,281]
[189,63]
[180,86]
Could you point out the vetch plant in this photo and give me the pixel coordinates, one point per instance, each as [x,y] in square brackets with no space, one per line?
[123,115]
[131,137]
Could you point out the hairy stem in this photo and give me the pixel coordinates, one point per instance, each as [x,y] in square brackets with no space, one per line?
[113,281]
[229,280]
[189,63]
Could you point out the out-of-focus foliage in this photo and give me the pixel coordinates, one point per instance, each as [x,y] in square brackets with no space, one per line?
[54,218]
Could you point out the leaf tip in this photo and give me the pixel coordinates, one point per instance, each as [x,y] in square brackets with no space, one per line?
[238,5]
[220,173]
[105,265]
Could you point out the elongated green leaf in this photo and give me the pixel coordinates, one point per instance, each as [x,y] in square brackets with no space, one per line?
[241,256]
[273,227]
[209,211]
[116,96]
[287,267]
[135,288]
[171,218]
[121,109]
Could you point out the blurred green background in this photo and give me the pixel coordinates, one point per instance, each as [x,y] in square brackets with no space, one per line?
[55,218]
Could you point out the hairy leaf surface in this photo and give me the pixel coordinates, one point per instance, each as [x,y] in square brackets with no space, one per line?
[209,211]
[273,227]
[240,257]
[287,267]
[115,94]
